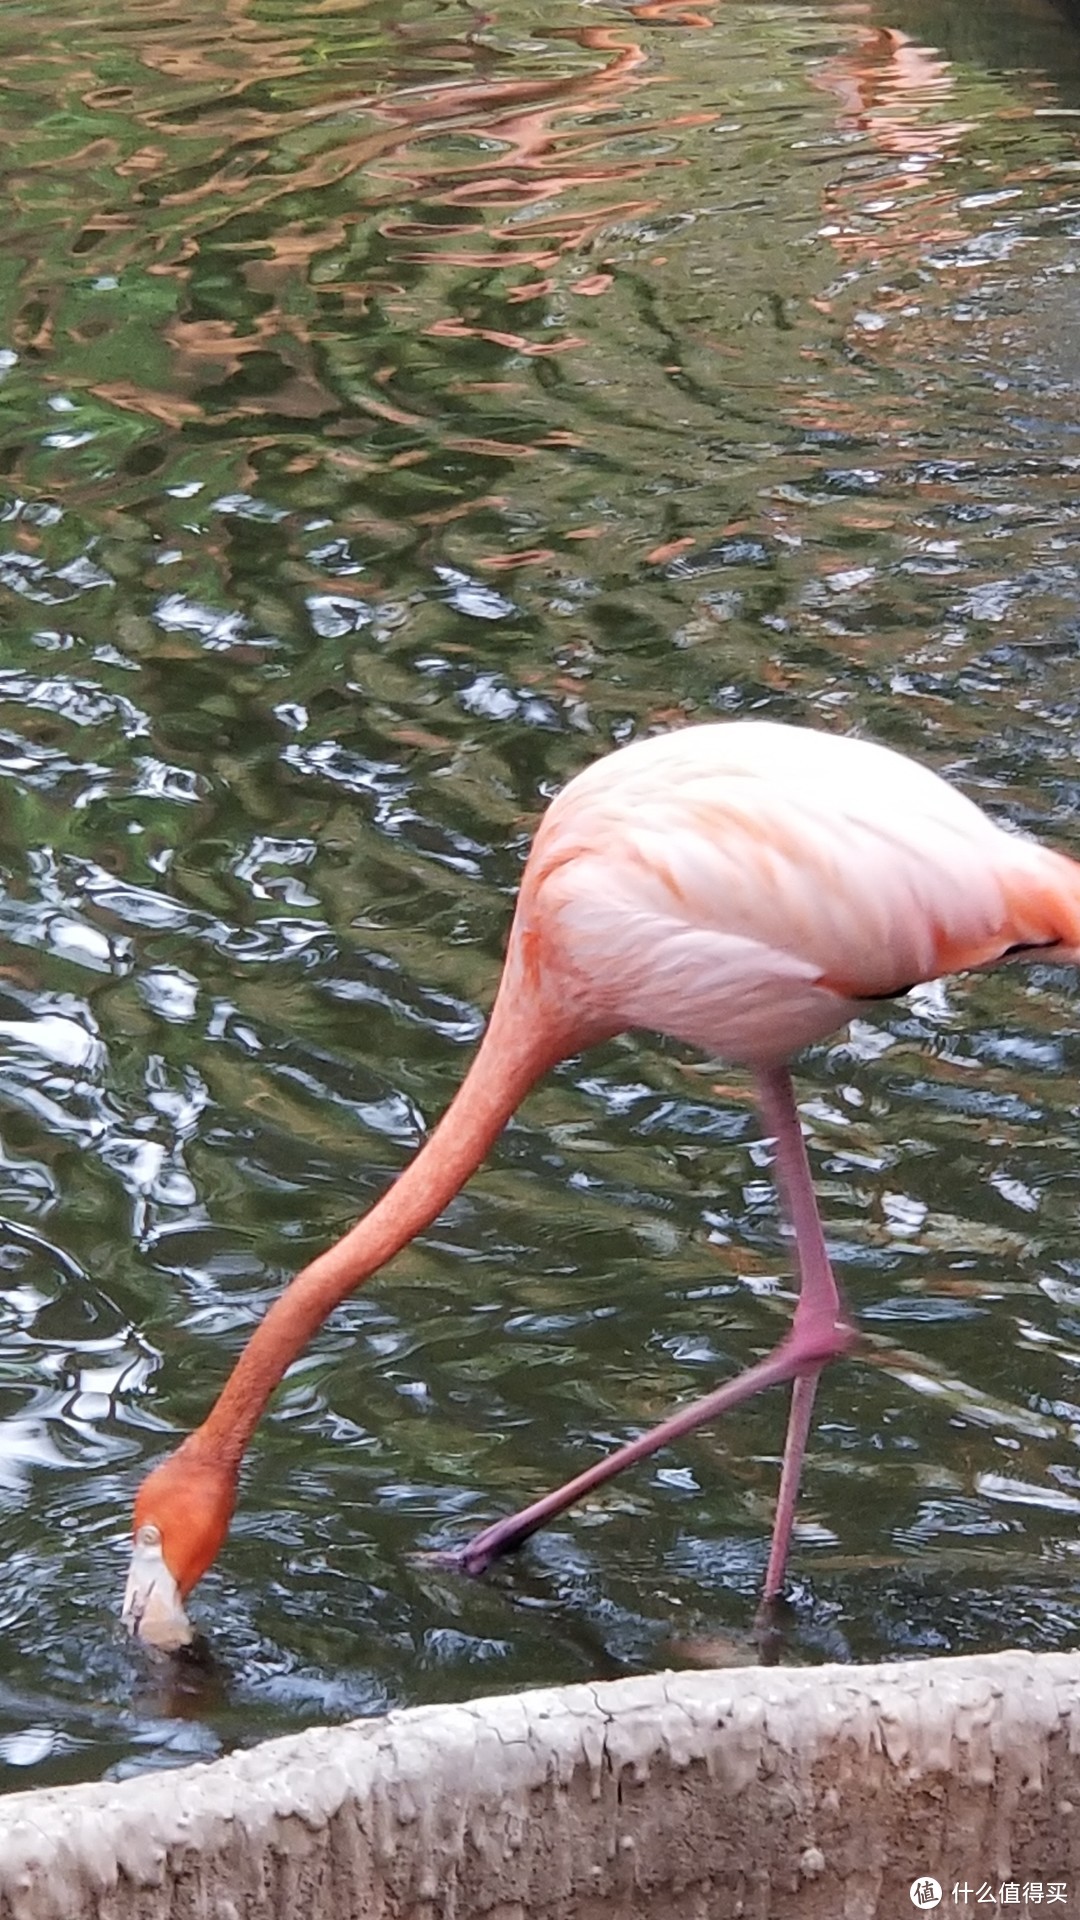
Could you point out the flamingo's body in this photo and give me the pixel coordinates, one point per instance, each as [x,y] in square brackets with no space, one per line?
[742,886]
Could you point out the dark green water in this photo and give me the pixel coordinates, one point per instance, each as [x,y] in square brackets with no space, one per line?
[400,405]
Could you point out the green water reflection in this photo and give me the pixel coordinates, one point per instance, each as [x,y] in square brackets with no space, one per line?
[399,406]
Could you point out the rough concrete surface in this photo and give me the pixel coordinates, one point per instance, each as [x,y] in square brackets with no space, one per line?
[760,1793]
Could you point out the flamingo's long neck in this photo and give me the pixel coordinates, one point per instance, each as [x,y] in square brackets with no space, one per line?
[516,1049]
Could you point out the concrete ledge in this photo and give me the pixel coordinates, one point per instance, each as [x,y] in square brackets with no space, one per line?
[818,1792]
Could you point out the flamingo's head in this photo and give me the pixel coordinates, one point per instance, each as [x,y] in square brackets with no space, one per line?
[182,1514]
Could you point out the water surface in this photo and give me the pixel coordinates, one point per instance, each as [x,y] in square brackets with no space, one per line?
[400,407]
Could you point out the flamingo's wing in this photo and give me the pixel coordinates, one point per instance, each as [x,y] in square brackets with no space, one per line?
[747,904]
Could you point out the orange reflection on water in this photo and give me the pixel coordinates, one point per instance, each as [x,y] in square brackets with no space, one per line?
[886,83]
[264,165]
[538,158]
[891,89]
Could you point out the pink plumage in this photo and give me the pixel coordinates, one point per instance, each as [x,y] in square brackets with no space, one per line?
[740,886]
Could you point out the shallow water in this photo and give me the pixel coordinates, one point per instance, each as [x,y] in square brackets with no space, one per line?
[401,405]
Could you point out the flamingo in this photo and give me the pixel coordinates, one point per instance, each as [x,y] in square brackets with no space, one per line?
[743,886]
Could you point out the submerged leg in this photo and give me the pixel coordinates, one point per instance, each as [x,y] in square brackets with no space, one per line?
[798,1429]
[820,1331]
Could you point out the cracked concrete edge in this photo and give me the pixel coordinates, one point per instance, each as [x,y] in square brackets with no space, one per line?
[757,1793]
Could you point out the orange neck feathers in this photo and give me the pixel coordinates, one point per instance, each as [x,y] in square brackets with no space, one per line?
[184,1506]
[517,1048]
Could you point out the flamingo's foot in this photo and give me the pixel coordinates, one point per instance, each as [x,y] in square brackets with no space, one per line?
[455,1560]
[772,1625]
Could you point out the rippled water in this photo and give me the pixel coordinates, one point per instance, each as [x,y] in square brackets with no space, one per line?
[401,405]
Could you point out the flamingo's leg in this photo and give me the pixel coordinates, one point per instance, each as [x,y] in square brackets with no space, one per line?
[819,1313]
[798,1429]
[820,1331]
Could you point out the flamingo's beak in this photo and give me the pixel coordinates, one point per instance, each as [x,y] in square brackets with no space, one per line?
[153,1610]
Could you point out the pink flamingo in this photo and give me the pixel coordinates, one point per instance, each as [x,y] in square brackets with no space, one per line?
[743,886]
